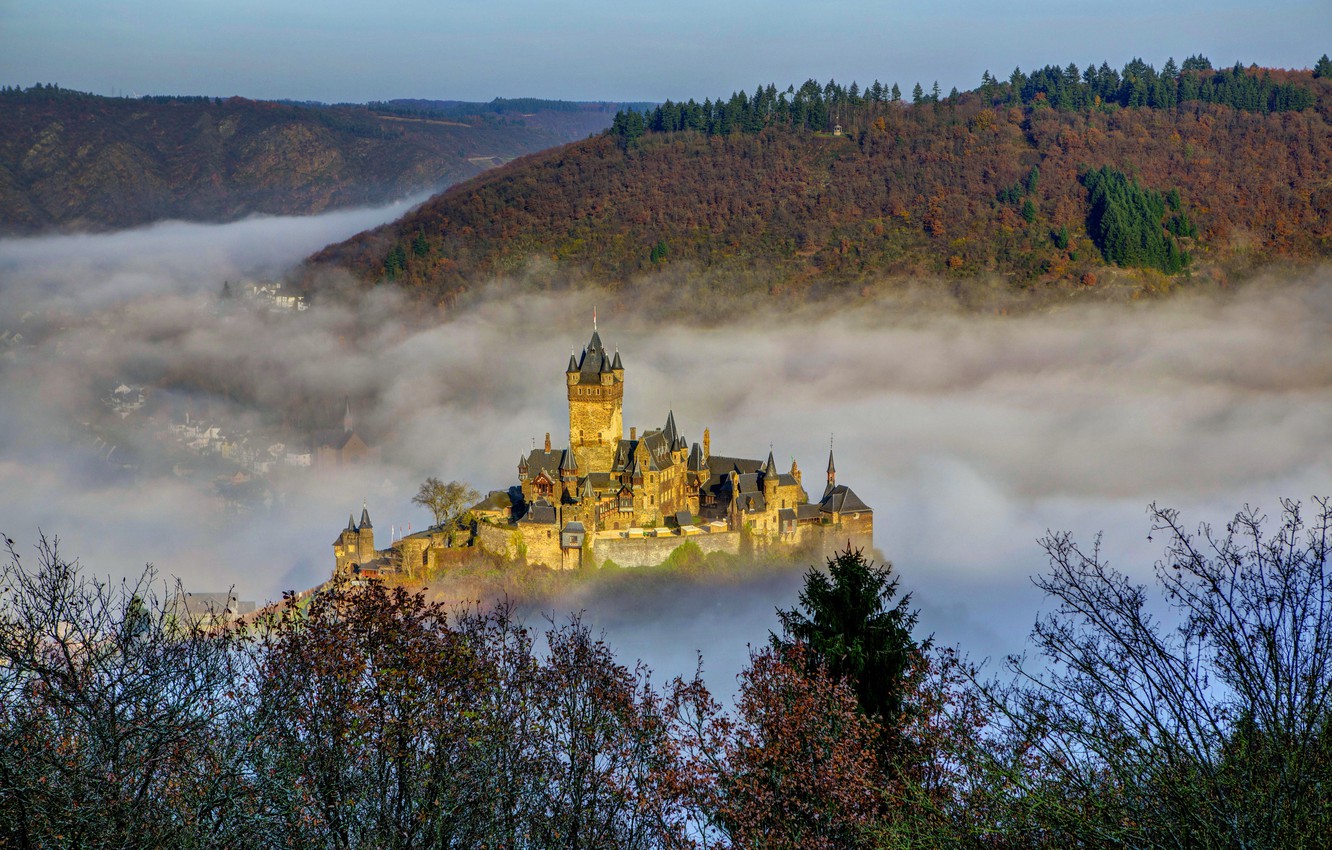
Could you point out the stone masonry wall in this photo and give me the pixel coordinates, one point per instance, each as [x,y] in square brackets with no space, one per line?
[650,551]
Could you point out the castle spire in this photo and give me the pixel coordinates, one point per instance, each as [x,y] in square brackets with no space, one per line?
[832,468]
[365,518]
[351,522]
[347,422]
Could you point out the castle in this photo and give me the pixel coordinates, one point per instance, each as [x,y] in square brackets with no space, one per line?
[630,500]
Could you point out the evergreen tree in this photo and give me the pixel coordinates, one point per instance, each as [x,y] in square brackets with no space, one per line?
[917,94]
[897,93]
[847,627]
[1323,68]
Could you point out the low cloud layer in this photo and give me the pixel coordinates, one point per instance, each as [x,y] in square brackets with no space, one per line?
[970,435]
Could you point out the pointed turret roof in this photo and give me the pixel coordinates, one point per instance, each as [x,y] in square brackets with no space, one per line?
[348,423]
[573,363]
[351,522]
[696,461]
[770,468]
[365,519]
[832,469]
[593,361]
[568,463]
[522,462]
[670,432]
[617,364]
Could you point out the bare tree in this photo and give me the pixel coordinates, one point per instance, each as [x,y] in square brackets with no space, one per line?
[1201,710]
[120,725]
[446,502]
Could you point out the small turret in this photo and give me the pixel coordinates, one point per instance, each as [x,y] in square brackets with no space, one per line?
[832,469]
[695,462]
[707,444]
[795,471]
[547,441]
[351,523]
[348,423]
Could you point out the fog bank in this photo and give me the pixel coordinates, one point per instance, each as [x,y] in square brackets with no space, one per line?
[969,435]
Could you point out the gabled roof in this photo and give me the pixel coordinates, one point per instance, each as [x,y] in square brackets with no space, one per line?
[540,460]
[841,499]
[540,512]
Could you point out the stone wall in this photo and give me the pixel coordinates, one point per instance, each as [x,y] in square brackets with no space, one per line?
[650,551]
[503,541]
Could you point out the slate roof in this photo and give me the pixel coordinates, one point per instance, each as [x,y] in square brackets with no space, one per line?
[541,512]
[695,461]
[658,450]
[550,462]
[841,499]
[593,361]
[365,519]
[807,511]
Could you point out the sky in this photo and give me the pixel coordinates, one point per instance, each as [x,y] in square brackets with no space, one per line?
[338,50]
[971,435]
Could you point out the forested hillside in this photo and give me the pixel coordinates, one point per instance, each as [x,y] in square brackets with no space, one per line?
[71,160]
[1196,168]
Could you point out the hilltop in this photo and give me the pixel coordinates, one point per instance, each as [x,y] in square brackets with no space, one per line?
[76,161]
[1051,178]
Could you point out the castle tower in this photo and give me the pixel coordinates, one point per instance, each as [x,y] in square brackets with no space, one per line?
[366,535]
[596,406]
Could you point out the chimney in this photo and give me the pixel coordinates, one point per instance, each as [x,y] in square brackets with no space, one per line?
[547,441]
[633,432]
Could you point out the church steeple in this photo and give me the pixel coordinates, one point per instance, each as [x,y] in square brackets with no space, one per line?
[832,468]
[348,424]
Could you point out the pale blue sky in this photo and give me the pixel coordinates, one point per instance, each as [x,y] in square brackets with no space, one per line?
[598,49]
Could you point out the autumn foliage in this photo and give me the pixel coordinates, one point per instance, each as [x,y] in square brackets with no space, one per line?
[906,189]
[365,716]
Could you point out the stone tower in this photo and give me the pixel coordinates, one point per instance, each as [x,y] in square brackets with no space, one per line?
[596,406]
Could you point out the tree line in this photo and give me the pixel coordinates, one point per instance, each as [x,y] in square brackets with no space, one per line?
[1197,708]
[822,107]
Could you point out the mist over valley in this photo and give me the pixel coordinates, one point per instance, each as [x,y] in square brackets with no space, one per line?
[969,434]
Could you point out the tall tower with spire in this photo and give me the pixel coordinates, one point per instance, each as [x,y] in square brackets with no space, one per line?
[596,405]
